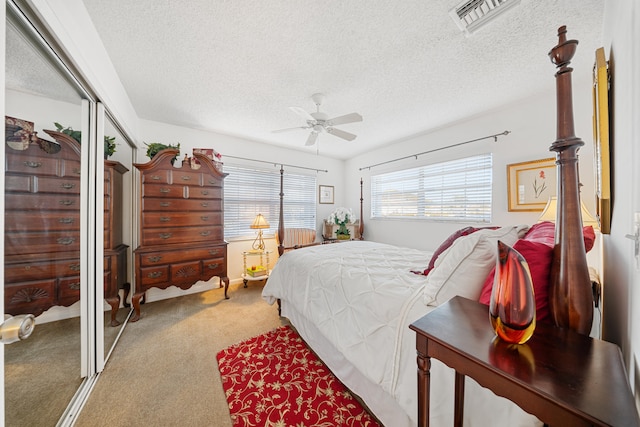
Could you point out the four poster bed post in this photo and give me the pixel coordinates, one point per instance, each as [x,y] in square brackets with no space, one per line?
[570,295]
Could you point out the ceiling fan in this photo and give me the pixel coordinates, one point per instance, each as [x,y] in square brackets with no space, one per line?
[320,122]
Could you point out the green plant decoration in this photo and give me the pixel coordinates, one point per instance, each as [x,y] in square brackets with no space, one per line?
[155,147]
[109,141]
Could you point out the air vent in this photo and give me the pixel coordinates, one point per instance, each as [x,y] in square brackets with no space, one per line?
[471,15]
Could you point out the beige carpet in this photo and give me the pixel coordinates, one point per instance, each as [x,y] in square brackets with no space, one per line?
[163,372]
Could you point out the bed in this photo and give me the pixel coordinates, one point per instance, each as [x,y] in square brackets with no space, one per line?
[352,302]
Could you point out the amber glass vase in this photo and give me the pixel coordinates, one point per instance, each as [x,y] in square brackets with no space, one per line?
[512,309]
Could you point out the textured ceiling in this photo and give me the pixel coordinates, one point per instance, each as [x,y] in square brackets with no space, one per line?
[235,67]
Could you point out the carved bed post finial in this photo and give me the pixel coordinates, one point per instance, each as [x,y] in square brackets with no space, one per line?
[281,217]
[570,295]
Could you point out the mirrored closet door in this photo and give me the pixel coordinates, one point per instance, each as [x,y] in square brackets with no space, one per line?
[67,243]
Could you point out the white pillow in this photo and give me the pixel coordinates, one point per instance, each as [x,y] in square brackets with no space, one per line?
[463,268]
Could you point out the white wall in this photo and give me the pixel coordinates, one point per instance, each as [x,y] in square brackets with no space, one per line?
[621,294]
[532,123]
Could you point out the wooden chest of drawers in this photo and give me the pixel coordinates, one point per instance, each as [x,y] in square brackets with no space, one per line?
[42,229]
[182,226]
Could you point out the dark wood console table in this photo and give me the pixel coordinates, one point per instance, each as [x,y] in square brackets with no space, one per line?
[564,378]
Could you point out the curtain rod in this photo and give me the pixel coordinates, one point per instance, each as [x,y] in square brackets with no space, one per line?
[276,163]
[495,137]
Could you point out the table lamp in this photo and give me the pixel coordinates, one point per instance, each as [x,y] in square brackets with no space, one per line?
[549,213]
[259,223]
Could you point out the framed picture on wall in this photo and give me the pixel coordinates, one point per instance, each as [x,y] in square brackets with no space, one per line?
[530,184]
[601,141]
[326,194]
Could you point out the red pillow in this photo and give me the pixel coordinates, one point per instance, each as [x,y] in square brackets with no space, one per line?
[538,256]
[544,232]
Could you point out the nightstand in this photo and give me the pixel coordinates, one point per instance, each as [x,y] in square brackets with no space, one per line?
[560,376]
[259,260]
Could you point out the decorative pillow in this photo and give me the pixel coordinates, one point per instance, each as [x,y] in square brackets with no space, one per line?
[464,266]
[449,241]
[538,256]
[544,232]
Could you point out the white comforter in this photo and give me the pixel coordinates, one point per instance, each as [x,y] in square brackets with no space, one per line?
[362,296]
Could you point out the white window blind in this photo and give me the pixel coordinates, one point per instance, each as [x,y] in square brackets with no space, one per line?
[249,191]
[456,190]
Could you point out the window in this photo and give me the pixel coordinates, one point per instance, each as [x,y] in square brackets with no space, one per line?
[249,191]
[457,190]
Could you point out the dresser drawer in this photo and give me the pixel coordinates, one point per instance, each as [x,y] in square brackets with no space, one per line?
[35,221]
[213,267]
[41,242]
[163,190]
[186,177]
[69,290]
[172,235]
[43,202]
[178,254]
[41,268]
[169,219]
[186,272]
[56,185]
[169,205]
[154,275]
[203,192]
[32,165]
[29,297]
[158,177]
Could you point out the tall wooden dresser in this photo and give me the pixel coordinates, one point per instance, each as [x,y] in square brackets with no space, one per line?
[42,228]
[181,226]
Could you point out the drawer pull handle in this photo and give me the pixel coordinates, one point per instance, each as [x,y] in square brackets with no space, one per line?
[74,267]
[214,252]
[205,233]
[155,177]
[165,235]
[74,286]
[67,186]
[66,202]
[154,274]
[213,182]
[154,258]
[204,218]
[204,192]
[66,220]
[186,178]
[32,164]
[213,266]
[76,171]
[165,219]
[66,240]
[165,204]
[165,190]
[204,204]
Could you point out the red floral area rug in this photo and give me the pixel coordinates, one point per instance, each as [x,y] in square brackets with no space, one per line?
[275,380]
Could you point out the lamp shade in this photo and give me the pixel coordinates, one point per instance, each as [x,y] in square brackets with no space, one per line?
[259,222]
[549,213]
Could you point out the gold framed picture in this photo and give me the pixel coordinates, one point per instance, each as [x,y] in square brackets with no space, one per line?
[530,184]
[325,194]
[601,141]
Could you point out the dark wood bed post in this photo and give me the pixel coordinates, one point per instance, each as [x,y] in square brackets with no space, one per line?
[361,228]
[570,295]
[281,217]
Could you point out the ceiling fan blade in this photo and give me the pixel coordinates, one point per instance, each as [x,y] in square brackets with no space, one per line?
[341,134]
[312,138]
[289,129]
[302,113]
[347,118]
